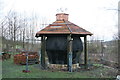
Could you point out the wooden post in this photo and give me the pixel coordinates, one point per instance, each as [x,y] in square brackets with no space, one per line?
[118,56]
[69,54]
[85,51]
[43,42]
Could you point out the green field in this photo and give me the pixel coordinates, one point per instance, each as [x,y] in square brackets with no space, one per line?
[11,70]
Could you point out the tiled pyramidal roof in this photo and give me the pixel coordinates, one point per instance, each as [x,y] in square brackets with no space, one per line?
[63,26]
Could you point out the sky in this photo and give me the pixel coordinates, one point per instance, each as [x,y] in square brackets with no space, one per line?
[97,16]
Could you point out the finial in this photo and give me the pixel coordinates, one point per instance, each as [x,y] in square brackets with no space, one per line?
[61,10]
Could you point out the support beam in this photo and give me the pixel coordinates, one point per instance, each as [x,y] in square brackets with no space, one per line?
[43,49]
[85,51]
[69,54]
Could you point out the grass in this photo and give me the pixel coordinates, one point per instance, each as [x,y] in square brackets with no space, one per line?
[98,65]
[11,70]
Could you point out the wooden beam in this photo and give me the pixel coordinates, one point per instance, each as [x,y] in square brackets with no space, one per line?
[43,50]
[85,51]
[69,54]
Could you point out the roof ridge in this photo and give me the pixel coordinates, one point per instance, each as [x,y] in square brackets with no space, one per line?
[68,27]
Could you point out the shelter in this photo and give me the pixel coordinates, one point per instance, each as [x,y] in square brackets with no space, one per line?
[67,33]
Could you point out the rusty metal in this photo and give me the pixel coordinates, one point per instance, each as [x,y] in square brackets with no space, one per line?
[5,56]
[21,58]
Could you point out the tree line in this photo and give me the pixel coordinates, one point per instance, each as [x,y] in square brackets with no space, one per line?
[18,31]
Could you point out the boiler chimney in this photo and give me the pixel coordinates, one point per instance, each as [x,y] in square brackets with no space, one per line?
[62,16]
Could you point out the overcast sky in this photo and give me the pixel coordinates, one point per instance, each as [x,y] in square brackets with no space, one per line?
[96,16]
